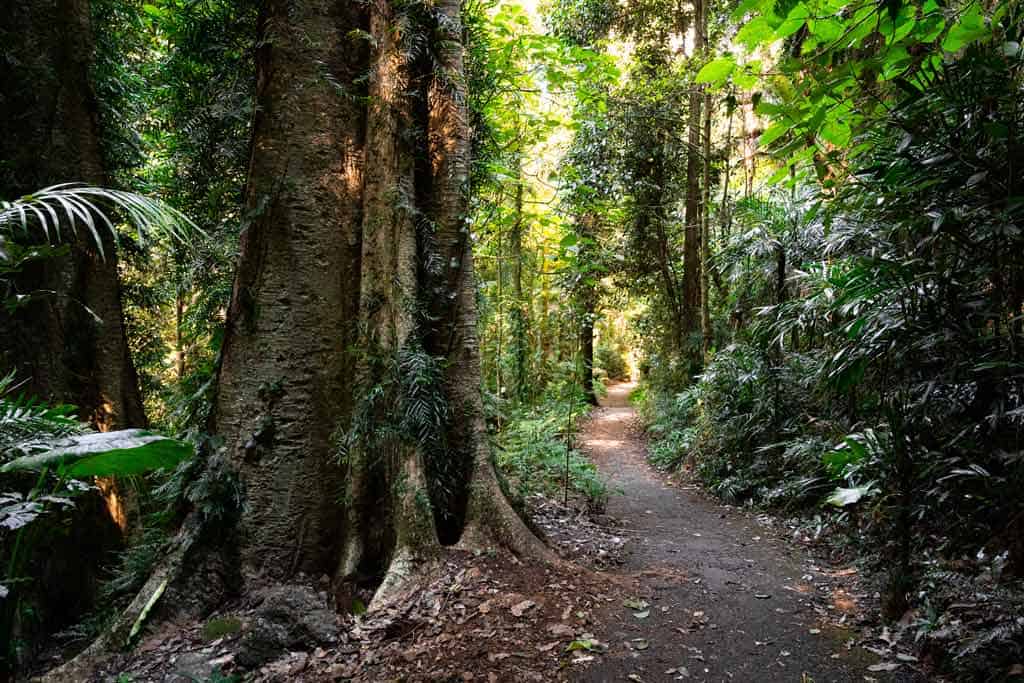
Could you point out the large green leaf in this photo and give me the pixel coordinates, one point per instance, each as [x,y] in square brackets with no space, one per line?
[716,71]
[755,32]
[104,454]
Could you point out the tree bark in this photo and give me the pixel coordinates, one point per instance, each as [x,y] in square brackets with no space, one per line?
[285,376]
[692,241]
[69,340]
[707,331]
[489,517]
[587,304]
[518,315]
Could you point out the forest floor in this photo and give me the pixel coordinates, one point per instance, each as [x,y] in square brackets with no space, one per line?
[718,593]
[666,585]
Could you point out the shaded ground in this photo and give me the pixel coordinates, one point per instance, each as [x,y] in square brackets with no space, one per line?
[710,592]
[685,589]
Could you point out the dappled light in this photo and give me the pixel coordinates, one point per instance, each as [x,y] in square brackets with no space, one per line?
[511,340]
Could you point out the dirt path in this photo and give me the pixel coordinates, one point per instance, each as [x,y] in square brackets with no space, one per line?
[725,599]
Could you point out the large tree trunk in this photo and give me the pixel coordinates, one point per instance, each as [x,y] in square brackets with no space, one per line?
[488,515]
[69,340]
[286,373]
[707,331]
[358,244]
[586,303]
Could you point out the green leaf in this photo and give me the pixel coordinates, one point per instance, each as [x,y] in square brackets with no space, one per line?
[716,71]
[971,27]
[569,240]
[104,454]
[836,131]
[756,32]
[826,30]
[796,18]
[774,132]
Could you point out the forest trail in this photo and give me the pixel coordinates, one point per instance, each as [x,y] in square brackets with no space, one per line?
[726,600]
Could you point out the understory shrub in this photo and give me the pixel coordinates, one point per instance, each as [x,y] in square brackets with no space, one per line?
[531,454]
[610,359]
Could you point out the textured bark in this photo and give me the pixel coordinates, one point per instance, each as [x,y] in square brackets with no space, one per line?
[587,305]
[691,246]
[49,134]
[389,283]
[357,229]
[286,375]
[707,332]
[519,340]
[488,513]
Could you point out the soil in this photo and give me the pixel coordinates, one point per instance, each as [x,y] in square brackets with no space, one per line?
[712,592]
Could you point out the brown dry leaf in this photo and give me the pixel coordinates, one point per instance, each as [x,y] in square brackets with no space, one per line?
[560,630]
[520,608]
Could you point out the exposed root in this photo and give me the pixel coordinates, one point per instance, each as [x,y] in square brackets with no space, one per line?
[120,635]
[492,520]
[407,573]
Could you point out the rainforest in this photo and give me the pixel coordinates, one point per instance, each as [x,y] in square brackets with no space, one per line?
[511,340]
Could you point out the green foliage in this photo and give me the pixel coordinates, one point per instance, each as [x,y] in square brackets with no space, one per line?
[610,359]
[876,373]
[531,454]
[176,83]
[41,216]
[406,408]
[103,454]
[57,452]
[852,57]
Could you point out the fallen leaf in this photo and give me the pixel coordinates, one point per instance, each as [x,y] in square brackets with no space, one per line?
[520,608]
[642,615]
[585,644]
[885,666]
[560,629]
[639,644]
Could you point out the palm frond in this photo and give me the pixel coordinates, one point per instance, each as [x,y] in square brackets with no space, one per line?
[52,212]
